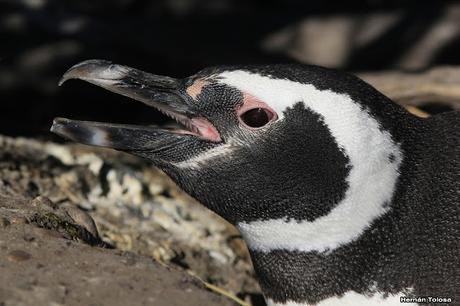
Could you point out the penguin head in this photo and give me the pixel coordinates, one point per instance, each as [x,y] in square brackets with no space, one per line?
[259,143]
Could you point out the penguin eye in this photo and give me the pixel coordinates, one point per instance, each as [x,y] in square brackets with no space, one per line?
[256,117]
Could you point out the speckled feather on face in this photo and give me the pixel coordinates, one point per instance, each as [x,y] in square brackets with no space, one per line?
[342,196]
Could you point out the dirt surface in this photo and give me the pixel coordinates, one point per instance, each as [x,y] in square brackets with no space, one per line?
[39,266]
[80,226]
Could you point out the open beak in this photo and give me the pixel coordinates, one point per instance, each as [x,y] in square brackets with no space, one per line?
[161,92]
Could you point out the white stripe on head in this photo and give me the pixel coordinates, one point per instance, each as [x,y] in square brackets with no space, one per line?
[352,298]
[202,159]
[372,176]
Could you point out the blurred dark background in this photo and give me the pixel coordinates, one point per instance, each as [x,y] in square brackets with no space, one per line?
[40,39]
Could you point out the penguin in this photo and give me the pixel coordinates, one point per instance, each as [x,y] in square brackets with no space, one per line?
[341,195]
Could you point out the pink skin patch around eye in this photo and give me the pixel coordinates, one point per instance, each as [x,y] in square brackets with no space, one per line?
[251,102]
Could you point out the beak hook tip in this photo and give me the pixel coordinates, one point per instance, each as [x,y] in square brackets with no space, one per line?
[62,80]
[82,69]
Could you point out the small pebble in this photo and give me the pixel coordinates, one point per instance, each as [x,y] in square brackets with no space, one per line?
[45,233]
[4,222]
[26,284]
[18,220]
[28,237]
[42,200]
[129,260]
[18,256]
[63,289]
[82,218]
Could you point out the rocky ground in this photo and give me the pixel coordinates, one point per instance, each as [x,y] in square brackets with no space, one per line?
[82,226]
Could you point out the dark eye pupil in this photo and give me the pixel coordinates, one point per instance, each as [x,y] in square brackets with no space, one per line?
[255,117]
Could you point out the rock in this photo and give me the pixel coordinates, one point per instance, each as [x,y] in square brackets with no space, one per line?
[4,222]
[18,220]
[41,201]
[82,218]
[18,256]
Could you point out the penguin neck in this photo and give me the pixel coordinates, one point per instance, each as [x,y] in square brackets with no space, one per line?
[307,278]
[323,266]
[306,274]
[308,261]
